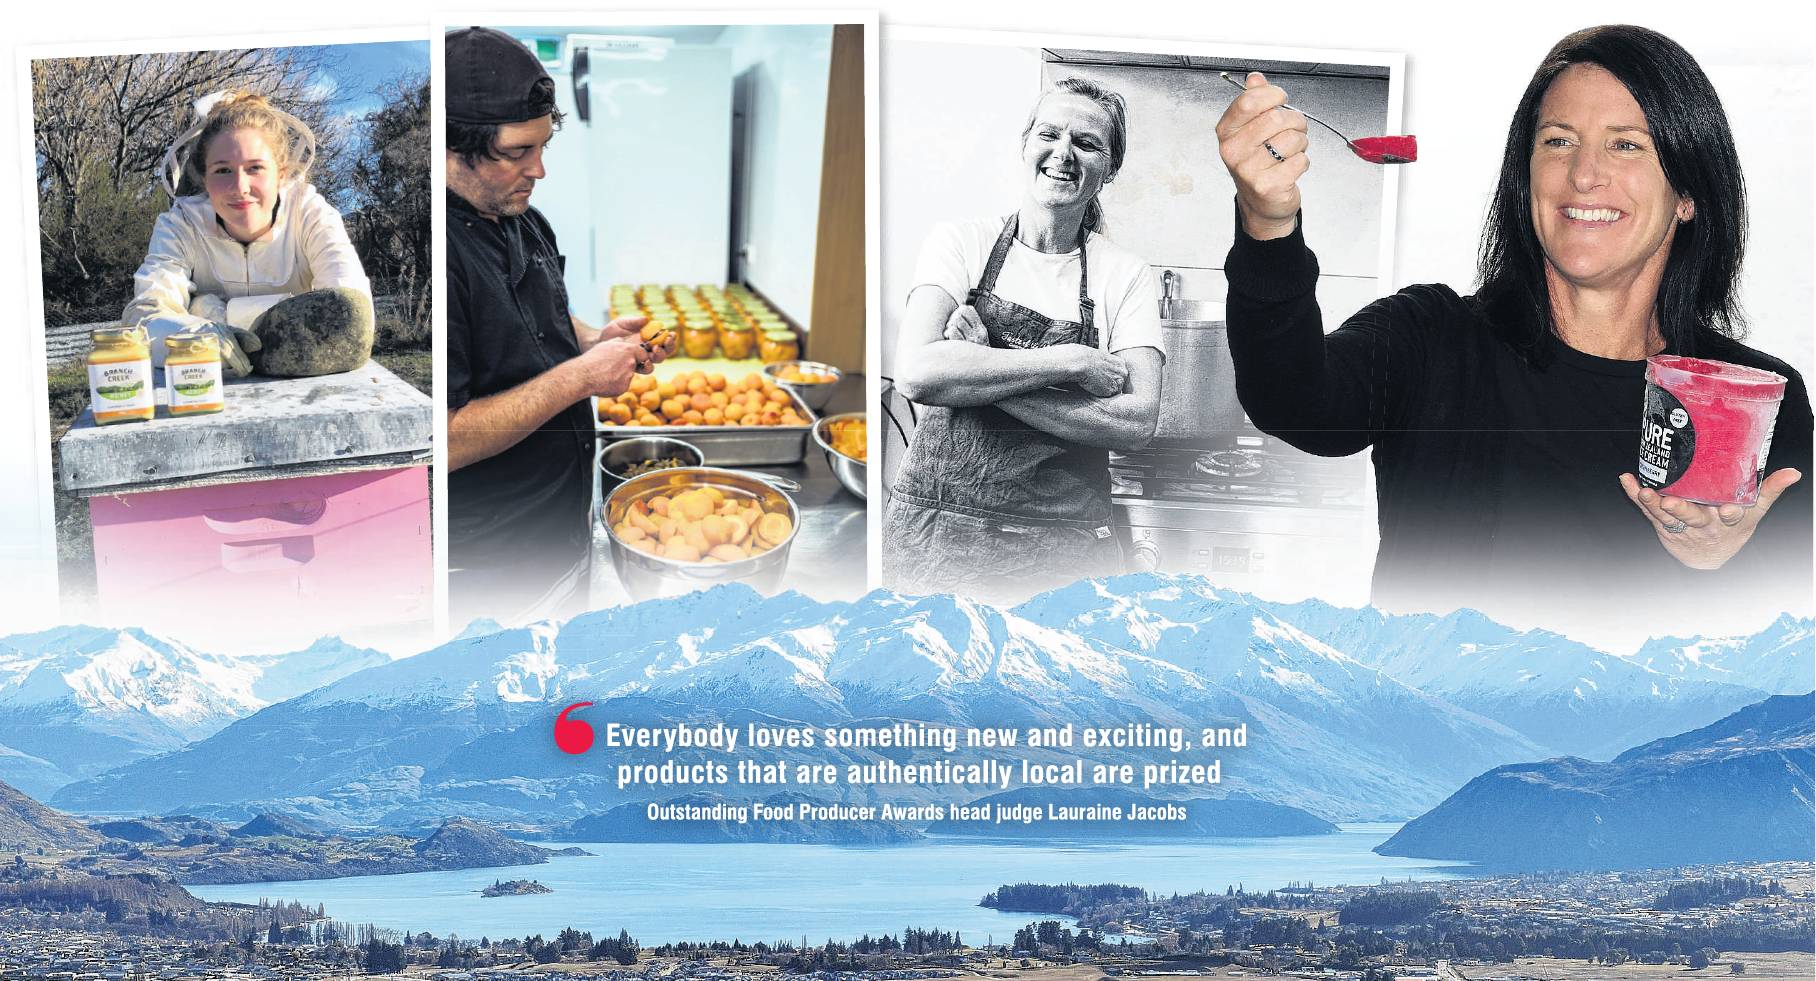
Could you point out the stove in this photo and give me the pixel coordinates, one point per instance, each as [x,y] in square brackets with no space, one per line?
[1246,469]
[1248,512]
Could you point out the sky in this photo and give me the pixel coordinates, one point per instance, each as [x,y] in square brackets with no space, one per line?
[363,68]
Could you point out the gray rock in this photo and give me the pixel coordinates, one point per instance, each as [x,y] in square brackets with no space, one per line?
[321,332]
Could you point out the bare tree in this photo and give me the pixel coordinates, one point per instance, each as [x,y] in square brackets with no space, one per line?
[390,186]
[100,129]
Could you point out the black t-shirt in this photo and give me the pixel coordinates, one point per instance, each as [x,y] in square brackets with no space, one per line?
[1498,479]
[517,520]
[1572,428]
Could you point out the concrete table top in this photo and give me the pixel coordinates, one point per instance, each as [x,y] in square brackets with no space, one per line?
[271,426]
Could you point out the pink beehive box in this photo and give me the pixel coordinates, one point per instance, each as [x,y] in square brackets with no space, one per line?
[306,497]
[354,545]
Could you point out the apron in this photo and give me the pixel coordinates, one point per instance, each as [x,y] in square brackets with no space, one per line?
[989,503]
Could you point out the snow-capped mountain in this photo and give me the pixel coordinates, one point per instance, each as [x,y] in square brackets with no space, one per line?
[469,721]
[1350,713]
[1231,641]
[1779,660]
[130,674]
[282,676]
[1564,695]
[79,700]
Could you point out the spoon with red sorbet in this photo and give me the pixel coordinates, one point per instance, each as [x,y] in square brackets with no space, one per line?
[1374,149]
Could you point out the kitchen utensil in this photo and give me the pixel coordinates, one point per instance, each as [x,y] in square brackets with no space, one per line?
[1374,149]
[734,445]
[1198,377]
[647,576]
[852,473]
[618,456]
[814,395]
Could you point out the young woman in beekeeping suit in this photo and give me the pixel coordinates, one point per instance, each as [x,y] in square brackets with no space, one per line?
[259,258]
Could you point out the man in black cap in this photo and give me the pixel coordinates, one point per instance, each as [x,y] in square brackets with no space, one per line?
[521,366]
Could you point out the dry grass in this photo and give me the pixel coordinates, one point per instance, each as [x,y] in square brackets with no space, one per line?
[1788,965]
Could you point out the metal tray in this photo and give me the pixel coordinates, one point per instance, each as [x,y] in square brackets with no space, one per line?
[731,446]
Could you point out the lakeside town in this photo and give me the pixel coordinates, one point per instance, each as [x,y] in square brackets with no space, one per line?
[1752,919]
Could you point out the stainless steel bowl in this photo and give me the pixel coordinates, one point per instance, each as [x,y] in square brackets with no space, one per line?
[816,394]
[647,576]
[851,473]
[615,457]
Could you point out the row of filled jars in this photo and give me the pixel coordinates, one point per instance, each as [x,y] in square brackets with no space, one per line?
[708,318]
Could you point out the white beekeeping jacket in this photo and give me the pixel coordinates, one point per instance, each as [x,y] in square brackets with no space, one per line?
[191,256]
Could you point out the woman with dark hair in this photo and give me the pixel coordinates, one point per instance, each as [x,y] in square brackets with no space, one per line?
[1034,341]
[1504,425]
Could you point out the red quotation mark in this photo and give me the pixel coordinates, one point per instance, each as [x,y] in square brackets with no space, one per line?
[573,735]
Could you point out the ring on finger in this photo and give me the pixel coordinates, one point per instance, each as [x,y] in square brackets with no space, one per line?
[1269,147]
[1677,526]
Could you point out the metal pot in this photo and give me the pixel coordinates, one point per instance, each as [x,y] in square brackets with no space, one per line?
[1198,384]
[852,473]
[647,576]
[616,456]
[814,395]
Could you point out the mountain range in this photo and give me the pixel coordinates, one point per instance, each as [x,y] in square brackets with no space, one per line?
[1353,713]
[1739,789]
[1564,695]
[76,701]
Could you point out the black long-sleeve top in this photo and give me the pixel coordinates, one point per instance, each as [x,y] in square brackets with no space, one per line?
[1497,480]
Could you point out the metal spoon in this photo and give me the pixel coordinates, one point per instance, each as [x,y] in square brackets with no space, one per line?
[1374,149]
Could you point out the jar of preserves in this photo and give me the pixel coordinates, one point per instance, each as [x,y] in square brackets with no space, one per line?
[192,374]
[698,338]
[778,345]
[738,339]
[119,376]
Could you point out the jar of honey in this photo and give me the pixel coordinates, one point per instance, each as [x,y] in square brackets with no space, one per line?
[698,338]
[192,374]
[778,345]
[119,376]
[738,339]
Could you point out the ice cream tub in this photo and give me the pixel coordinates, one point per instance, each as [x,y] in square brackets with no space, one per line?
[1707,428]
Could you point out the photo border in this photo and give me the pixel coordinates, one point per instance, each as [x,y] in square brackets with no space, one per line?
[33,285]
[443,21]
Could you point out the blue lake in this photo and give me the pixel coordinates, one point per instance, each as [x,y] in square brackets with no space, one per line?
[665,892]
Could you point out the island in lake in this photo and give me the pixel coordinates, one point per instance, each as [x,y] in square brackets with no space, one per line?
[515,887]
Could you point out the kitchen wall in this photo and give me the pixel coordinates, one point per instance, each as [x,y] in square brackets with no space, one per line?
[952,120]
[618,188]
[1173,202]
[780,78]
[565,198]
[951,130]
[953,114]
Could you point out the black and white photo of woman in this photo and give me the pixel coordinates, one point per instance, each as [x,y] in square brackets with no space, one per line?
[1033,342]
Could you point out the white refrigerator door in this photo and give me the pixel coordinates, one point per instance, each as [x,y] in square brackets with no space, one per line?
[660,142]
[565,198]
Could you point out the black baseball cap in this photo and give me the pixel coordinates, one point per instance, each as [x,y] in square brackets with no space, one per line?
[494,79]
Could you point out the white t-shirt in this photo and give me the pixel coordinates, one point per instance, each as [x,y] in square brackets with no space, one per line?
[1121,287]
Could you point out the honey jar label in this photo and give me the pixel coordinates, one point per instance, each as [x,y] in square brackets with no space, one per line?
[193,385]
[120,386]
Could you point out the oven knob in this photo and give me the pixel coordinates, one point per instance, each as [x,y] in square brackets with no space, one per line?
[1144,557]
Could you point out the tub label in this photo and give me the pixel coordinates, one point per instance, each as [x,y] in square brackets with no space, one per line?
[121,386]
[1667,439]
[1765,450]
